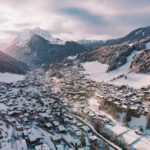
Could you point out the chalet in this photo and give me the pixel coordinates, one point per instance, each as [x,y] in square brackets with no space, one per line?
[11,120]
[55,123]
[74,128]
[78,133]
[56,138]
[76,142]
[79,124]
[93,138]
[61,129]
[34,136]
[19,128]
[66,120]
[86,129]
[48,125]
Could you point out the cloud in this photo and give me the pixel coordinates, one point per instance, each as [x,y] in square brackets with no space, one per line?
[74,20]
[12,32]
[23,25]
[86,16]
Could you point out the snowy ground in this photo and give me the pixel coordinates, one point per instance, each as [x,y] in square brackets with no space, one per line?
[9,77]
[148,45]
[134,80]
[97,72]
[72,57]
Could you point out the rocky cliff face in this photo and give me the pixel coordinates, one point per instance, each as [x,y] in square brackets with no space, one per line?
[9,64]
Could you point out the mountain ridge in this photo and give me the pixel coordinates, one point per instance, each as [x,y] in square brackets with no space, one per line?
[40,51]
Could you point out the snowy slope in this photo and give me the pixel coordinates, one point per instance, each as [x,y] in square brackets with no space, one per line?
[97,72]
[23,38]
[136,80]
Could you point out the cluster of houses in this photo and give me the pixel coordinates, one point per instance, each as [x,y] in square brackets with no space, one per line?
[35,117]
[89,99]
[42,114]
[135,100]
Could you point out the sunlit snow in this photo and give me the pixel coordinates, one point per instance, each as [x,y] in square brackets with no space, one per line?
[135,80]
[97,72]
[10,77]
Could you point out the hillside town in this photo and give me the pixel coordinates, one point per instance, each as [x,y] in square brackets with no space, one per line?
[33,116]
[70,111]
[120,113]
[74,75]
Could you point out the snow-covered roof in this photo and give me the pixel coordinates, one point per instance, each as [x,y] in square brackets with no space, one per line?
[130,137]
[142,144]
[61,128]
[56,137]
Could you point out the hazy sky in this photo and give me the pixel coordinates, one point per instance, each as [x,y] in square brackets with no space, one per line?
[73,19]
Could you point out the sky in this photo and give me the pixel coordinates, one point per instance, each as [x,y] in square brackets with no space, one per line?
[73,19]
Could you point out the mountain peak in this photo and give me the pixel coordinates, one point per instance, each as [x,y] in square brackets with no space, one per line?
[23,38]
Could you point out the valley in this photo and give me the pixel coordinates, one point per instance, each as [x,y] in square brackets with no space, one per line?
[57,95]
[74,75]
[69,111]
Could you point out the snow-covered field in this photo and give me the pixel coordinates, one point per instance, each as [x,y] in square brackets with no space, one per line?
[97,72]
[135,80]
[10,77]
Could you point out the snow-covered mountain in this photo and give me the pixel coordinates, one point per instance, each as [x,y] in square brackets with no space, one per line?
[23,38]
[39,47]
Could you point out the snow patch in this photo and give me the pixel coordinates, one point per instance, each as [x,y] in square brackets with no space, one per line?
[10,77]
[148,45]
[135,80]
[72,57]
